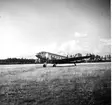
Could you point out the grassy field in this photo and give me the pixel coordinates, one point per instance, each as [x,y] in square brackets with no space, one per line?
[84,84]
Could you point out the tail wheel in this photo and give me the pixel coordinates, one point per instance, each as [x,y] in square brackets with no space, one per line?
[54,65]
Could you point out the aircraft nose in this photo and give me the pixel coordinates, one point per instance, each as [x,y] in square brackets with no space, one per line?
[37,55]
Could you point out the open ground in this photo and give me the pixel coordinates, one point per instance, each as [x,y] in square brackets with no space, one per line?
[84,84]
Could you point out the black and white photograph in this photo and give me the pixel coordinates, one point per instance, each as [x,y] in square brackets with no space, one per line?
[55,52]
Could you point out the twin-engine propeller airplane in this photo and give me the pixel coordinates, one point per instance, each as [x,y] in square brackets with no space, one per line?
[46,57]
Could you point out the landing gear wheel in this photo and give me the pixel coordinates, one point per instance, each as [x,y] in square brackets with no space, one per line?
[75,64]
[54,65]
[44,65]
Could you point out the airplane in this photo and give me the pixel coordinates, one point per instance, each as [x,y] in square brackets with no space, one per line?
[47,57]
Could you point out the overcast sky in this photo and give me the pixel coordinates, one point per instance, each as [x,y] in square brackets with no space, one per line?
[60,26]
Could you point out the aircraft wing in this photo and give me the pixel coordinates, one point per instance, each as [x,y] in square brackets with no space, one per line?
[69,60]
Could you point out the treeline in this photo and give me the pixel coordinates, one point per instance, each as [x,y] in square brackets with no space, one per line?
[93,58]
[98,58]
[17,61]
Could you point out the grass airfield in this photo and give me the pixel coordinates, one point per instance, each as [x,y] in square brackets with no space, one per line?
[84,84]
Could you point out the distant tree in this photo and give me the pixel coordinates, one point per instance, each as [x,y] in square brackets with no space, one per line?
[97,58]
[109,57]
[105,58]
